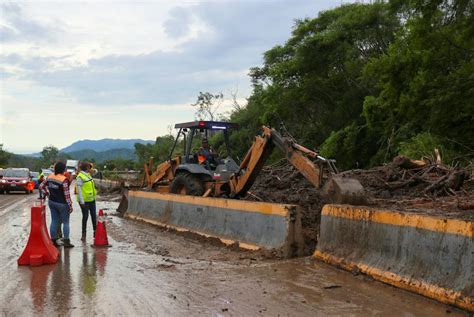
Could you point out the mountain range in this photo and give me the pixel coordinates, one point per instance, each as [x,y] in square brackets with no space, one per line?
[97,150]
[103,150]
[104,145]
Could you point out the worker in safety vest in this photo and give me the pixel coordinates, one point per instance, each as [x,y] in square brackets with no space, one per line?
[86,195]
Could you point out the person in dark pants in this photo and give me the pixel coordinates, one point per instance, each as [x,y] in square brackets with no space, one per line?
[40,181]
[56,187]
[86,195]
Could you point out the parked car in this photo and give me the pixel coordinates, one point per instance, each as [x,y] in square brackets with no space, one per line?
[16,179]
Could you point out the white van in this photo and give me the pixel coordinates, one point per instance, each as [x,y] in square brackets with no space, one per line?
[72,166]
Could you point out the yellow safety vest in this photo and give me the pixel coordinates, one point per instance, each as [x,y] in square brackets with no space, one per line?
[88,188]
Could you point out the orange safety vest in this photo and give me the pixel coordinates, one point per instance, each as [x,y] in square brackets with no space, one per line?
[56,188]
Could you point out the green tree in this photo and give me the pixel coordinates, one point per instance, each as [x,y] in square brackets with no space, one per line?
[424,84]
[49,154]
[118,164]
[143,152]
[159,151]
[4,156]
[365,82]
[32,163]
[314,82]
[208,105]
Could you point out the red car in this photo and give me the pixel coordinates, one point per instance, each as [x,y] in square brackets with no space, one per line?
[16,179]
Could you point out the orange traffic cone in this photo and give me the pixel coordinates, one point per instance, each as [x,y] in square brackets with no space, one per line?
[100,239]
[39,250]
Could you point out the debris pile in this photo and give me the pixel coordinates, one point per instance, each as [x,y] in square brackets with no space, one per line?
[405,184]
[412,178]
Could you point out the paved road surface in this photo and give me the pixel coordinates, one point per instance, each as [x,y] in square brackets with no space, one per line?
[153,272]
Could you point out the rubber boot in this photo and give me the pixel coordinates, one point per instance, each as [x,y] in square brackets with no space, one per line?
[67,243]
[55,243]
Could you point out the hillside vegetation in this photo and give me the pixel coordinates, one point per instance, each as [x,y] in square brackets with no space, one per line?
[365,82]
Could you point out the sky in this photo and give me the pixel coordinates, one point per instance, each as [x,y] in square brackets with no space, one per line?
[73,70]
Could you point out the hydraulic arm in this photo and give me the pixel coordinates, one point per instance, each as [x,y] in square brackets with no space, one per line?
[340,190]
[261,149]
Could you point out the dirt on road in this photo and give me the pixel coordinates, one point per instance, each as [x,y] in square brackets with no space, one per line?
[149,271]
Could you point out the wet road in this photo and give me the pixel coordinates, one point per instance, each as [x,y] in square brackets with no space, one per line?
[149,271]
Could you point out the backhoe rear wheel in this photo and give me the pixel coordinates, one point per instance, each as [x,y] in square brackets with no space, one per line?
[187,184]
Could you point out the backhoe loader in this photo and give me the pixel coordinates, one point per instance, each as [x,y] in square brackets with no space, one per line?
[186,175]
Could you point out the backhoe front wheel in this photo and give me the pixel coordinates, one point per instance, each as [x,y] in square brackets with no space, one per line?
[187,184]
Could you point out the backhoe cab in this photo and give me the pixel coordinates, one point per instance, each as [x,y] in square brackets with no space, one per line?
[194,176]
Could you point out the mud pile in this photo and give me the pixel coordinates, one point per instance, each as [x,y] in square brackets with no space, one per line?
[433,189]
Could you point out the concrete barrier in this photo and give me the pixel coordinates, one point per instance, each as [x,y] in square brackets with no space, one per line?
[428,255]
[253,225]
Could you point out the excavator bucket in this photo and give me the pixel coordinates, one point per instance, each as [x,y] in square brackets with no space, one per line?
[343,190]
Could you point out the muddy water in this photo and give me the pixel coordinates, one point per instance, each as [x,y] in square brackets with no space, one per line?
[148,271]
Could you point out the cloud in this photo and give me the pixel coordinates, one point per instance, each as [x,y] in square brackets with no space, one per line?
[237,34]
[130,64]
[150,78]
[17,27]
[179,23]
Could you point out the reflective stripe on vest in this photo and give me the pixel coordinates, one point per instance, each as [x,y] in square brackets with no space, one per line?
[88,188]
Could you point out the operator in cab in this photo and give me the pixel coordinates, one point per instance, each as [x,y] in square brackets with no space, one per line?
[207,155]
